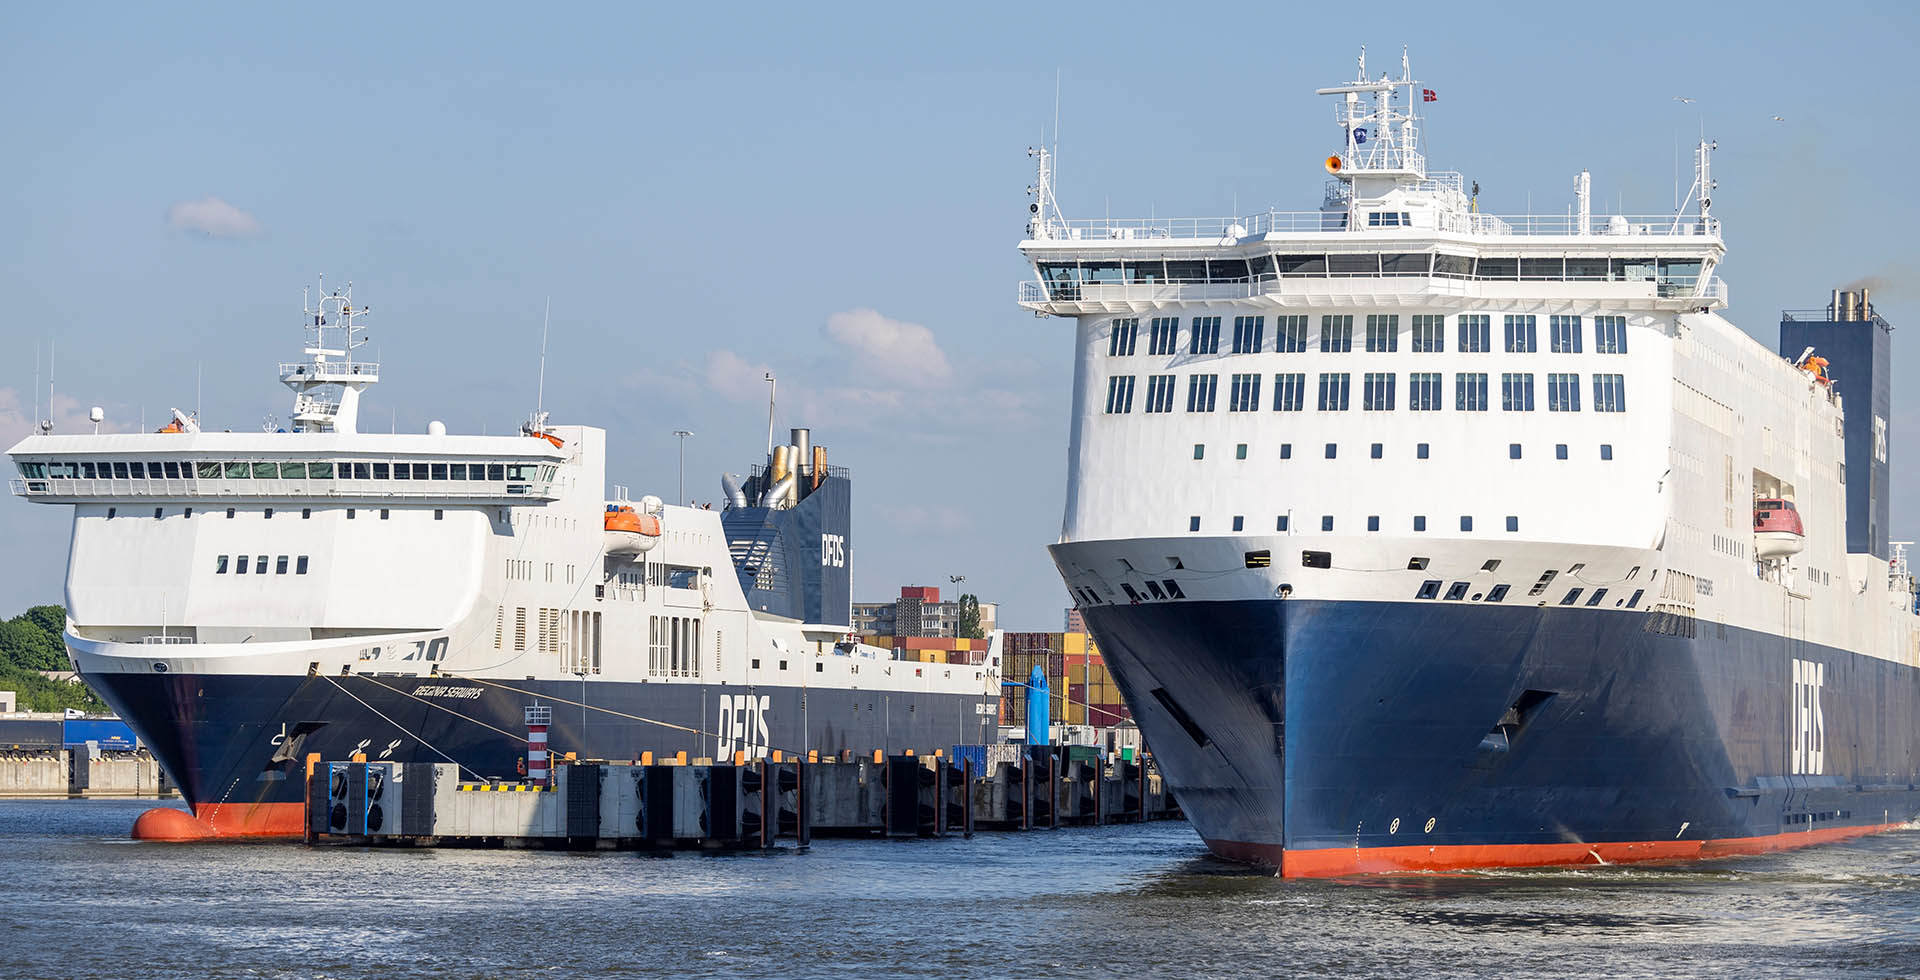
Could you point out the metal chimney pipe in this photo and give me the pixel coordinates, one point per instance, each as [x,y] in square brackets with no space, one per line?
[802,439]
[1866,308]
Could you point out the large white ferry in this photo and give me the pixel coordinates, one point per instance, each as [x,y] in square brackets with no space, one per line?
[1418,537]
[245,599]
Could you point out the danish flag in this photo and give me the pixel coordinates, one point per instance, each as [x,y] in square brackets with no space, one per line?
[1429,95]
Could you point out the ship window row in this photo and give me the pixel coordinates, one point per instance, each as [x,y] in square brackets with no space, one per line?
[1064,278]
[1430,589]
[1426,334]
[1379,392]
[238,564]
[135,469]
[1327,524]
[1421,450]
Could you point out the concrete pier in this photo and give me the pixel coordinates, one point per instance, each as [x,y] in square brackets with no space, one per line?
[598,805]
[76,772]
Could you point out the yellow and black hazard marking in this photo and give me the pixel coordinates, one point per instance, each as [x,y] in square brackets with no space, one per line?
[502,788]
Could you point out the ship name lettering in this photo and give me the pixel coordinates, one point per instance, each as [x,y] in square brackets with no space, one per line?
[743,726]
[833,550]
[446,691]
[1807,734]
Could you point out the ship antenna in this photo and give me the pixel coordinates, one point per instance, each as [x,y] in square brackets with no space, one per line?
[540,393]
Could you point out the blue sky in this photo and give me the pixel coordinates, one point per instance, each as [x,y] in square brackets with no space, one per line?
[834,193]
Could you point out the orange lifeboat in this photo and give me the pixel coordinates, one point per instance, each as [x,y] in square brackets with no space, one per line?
[1817,366]
[1777,531]
[629,532]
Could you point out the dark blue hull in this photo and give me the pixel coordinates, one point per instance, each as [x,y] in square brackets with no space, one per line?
[1325,737]
[237,744]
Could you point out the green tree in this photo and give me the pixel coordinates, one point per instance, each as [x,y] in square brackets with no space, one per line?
[25,645]
[969,625]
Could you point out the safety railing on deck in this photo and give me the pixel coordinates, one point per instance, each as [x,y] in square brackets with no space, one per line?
[1326,222]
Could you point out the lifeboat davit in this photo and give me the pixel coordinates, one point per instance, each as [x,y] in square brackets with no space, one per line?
[630,532]
[1777,531]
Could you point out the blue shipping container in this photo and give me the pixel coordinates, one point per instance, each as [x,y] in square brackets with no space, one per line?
[111,734]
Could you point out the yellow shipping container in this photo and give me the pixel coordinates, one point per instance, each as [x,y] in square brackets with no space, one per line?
[931,656]
[1073,642]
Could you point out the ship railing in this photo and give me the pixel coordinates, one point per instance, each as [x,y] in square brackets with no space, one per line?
[1236,228]
[312,489]
[166,640]
[330,371]
[1038,293]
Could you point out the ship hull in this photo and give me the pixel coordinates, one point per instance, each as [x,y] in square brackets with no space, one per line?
[237,744]
[1322,737]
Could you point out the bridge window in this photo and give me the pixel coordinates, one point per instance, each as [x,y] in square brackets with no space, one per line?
[320,471]
[1452,266]
[1586,270]
[1353,265]
[1300,265]
[380,471]
[437,470]
[1407,264]
[1498,268]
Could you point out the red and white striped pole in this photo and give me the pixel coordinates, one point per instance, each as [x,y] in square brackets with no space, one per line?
[539,716]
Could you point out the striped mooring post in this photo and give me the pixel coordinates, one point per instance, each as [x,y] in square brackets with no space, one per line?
[539,716]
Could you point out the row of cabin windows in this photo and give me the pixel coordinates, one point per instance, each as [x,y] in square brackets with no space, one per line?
[1378,450]
[1379,391]
[306,513]
[1064,278]
[239,564]
[1473,333]
[134,469]
[1430,589]
[1285,523]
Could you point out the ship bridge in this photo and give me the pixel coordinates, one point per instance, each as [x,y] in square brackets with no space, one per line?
[1388,233]
[217,466]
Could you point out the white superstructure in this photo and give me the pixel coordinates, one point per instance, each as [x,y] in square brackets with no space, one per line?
[327,552]
[1397,397]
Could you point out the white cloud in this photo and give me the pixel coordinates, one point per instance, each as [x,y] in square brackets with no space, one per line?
[213,217]
[17,421]
[889,350]
[730,375]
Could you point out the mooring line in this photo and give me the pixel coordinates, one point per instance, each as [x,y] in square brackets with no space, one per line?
[404,729]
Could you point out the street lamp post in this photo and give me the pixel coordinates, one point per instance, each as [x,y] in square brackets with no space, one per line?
[683,434]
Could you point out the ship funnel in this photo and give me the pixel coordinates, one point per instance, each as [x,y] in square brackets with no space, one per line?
[802,442]
[730,489]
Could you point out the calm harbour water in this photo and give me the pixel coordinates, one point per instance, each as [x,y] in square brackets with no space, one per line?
[77,899]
